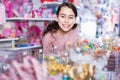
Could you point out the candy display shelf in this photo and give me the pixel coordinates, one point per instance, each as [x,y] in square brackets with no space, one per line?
[37,19]
[9,39]
[21,48]
[9,42]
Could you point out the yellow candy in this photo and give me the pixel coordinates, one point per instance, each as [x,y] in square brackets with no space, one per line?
[87,47]
[70,72]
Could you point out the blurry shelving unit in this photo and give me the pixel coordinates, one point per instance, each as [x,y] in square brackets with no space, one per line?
[21,48]
[34,19]
[12,49]
[7,46]
[30,19]
[10,42]
[7,43]
[9,39]
[51,3]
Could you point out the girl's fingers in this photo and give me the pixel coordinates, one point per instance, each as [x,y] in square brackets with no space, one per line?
[12,74]
[17,67]
[4,77]
[37,69]
[44,70]
[27,64]
[30,69]
[40,70]
[69,44]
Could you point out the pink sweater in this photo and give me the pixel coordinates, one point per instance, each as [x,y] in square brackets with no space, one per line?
[57,42]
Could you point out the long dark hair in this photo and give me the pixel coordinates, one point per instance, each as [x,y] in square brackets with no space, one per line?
[53,26]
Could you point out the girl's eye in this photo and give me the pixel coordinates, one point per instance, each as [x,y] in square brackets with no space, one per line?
[62,16]
[71,17]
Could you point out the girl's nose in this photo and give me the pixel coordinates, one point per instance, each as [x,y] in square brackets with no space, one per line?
[66,20]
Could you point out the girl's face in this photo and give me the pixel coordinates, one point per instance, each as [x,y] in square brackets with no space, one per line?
[66,19]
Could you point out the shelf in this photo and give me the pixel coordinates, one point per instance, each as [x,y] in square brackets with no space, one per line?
[38,19]
[21,48]
[51,3]
[9,39]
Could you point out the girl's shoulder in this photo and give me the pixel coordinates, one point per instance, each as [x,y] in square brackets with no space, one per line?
[74,30]
[48,36]
[74,33]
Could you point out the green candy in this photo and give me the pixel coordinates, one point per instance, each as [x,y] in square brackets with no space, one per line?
[91,45]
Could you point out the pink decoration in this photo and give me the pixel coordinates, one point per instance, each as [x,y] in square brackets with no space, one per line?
[20,26]
[7,33]
[18,32]
[9,8]
[34,33]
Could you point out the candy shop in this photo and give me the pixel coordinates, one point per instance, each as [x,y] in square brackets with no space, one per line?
[59,40]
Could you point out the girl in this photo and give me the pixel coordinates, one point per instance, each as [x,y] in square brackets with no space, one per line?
[61,32]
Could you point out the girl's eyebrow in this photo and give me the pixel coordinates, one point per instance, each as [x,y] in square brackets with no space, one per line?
[65,14]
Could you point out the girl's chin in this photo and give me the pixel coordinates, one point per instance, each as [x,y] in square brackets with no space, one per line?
[66,30]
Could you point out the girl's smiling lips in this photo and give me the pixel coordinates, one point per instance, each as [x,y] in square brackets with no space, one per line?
[66,26]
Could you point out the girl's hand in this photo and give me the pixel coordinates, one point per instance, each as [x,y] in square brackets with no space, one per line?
[69,45]
[73,44]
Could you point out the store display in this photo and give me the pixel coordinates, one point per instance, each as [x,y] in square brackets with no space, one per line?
[95,57]
[101,61]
